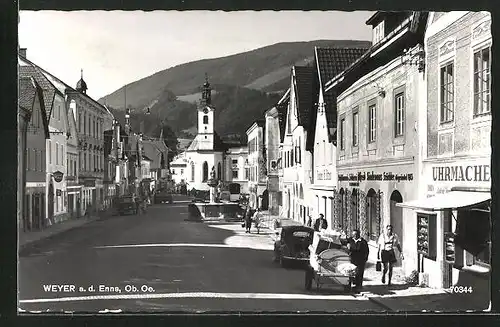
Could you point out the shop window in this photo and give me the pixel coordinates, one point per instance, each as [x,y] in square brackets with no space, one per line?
[426,235]
[473,234]
[482,81]
[446,93]
[354,209]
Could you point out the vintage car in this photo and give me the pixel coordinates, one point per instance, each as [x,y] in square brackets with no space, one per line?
[329,263]
[126,204]
[293,244]
[162,196]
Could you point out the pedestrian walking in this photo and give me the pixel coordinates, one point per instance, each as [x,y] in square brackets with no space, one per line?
[386,243]
[248,220]
[257,217]
[309,221]
[358,252]
[320,223]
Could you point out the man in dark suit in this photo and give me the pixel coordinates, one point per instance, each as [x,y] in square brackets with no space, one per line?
[320,223]
[358,251]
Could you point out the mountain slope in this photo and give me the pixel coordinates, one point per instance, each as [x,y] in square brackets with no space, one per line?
[265,68]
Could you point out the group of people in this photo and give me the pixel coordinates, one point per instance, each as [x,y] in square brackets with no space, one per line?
[358,250]
[254,216]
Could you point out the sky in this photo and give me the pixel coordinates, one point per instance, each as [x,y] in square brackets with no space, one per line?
[115,48]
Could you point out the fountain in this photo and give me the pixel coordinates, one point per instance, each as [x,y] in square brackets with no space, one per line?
[214,210]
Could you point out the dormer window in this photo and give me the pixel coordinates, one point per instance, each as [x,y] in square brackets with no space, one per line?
[378,32]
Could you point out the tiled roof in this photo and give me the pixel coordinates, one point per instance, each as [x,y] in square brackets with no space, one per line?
[332,61]
[304,84]
[49,90]
[27,92]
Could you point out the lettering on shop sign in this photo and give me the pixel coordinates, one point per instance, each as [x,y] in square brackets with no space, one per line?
[371,176]
[472,173]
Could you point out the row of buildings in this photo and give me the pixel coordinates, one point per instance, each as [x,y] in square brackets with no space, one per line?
[74,156]
[395,133]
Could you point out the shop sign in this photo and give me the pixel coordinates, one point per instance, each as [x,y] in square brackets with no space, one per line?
[371,176]
[58,176]
[461,173]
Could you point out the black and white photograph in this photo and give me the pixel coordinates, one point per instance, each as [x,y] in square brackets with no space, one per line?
[254,161]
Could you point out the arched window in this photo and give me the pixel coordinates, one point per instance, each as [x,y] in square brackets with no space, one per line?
[205,171]
[205,119]
[192,171]
[219,171]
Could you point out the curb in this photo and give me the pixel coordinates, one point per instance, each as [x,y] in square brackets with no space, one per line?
[88,221]
[376,300]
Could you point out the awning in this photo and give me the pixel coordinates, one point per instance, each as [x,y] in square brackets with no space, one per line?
[450,200]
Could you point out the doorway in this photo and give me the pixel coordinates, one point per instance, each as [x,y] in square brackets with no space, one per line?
[397,216]
[265,200]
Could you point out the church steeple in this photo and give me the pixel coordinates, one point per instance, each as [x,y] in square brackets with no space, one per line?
[81,86]
[206,95]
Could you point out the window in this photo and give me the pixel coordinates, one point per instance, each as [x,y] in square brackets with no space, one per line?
[192,172]
[378,32]
[372,123]
[342,134]
[235,174]
[247,173]
[205,171]
[234,161]
[84,124]
[355,128]
[182,171]
[323,153]
[446,92]
[399,105]
[57,153]
[50,152]
[205,119]
[482,81]
[79,122]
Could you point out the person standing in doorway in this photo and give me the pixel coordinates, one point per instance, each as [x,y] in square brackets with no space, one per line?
[358,252]
[386,244]
[320,223]
[309,221]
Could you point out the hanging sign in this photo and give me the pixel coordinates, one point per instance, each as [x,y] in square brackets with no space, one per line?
[58,176]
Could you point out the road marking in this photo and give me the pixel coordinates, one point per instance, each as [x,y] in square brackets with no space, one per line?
[200,295]
[164,245]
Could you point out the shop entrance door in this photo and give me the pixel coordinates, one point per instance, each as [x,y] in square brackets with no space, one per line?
[397,217]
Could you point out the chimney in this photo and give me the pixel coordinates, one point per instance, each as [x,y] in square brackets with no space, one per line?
[22,52]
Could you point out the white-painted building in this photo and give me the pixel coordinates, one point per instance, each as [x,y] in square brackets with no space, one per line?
[322,140]
[208,152]
[257,183]
[297,162]
[448,229]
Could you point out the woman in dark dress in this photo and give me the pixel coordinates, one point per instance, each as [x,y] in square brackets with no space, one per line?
[248,220]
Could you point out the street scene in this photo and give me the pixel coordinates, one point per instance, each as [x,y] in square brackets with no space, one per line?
[317,172]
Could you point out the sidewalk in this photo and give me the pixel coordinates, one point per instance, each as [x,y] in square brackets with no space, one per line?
[29,238]
[399,296]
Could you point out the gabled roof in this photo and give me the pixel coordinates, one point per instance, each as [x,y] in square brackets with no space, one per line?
[304,86]
[332,61]
[49,90]
[385,50]
[29,89]
[27,92]
[282,111]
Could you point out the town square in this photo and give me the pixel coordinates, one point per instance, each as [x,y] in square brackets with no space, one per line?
[328,171]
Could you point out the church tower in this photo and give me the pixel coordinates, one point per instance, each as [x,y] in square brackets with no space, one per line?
[206,116]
